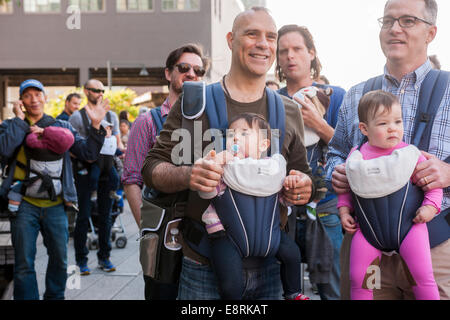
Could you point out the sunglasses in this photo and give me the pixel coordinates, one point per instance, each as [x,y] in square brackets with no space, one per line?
[96,90]
[185,67]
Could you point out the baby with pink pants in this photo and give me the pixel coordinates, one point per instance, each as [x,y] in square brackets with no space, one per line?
[380,119]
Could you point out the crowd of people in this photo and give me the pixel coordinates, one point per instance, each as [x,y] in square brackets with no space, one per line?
[301,170]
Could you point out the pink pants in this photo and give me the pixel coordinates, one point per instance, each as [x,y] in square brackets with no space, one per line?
[415,251]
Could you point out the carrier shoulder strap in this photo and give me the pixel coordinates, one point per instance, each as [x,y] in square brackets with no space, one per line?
[158,119]
[431,93]
[85,119]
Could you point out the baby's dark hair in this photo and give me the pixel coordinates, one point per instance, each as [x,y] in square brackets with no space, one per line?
[253,119]
[371,103]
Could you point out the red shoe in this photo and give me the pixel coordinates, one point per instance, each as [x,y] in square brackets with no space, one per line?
[300,297]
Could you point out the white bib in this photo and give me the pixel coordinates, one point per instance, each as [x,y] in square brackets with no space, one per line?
[260,178]
[381,176]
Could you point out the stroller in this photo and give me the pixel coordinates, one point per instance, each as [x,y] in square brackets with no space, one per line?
[117,225]
[116,210]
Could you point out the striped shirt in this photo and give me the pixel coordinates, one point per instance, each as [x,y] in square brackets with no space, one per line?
[347,134]
[141,139]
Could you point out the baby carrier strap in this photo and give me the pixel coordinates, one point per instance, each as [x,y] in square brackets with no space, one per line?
[158,119]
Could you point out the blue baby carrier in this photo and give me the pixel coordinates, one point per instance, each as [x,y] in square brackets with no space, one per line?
[252,223]
[386,221]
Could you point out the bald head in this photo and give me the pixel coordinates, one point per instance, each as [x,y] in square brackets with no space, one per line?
[243,17]
[93,83]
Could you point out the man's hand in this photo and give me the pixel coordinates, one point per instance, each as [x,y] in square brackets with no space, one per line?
[425,214]
[339,180]
[36,130]
[205,174]
[98,112]
[432,174]
[301,189]
[311,117]
[17,109]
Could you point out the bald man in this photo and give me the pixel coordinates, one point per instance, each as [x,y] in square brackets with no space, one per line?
[253,42]
[94,90]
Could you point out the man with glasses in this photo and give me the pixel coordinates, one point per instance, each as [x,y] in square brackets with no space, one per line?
[407,28]
[186,63]
[94,90]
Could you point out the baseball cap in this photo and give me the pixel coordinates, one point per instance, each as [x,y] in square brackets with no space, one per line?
[31,83]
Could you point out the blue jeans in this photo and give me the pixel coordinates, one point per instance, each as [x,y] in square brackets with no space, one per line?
[104,204]
[333,227]
[52,223]
[227,264]
[198,282]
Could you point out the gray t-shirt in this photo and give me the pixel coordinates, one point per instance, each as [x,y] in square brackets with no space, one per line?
[76,121]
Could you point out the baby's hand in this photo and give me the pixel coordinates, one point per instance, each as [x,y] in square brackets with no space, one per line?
[347,221]
[290,182]
[425,214]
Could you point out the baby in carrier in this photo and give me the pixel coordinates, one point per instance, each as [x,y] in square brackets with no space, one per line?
[45,149]
[106,163]
[391,212]
[243,219]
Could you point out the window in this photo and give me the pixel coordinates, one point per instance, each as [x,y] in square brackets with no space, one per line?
[89,5]
[181,5]
[6,7]
[42,6]
[134,5]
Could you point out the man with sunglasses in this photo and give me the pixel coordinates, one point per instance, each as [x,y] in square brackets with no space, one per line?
[94,90]
[186,63]
[407,28]
[253,42]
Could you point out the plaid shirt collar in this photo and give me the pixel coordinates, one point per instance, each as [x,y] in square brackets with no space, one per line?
[416,77]
[165,107]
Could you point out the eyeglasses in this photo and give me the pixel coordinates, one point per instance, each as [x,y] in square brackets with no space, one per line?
[96,90]
[403,21]
[185,67]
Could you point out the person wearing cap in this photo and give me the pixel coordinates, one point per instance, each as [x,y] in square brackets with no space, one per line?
[42,214]
[80,120]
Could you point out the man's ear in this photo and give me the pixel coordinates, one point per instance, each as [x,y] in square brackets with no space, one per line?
[167,74]
[363,127]
[230,40]
[431,34]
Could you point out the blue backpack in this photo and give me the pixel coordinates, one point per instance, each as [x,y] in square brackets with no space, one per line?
[431,94]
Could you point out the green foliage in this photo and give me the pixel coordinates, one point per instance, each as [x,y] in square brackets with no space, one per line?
[118,101]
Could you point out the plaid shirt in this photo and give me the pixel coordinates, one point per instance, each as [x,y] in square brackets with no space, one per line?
[347,134]
[141,139]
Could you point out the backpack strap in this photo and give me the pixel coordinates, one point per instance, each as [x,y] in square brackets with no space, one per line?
[373,84]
